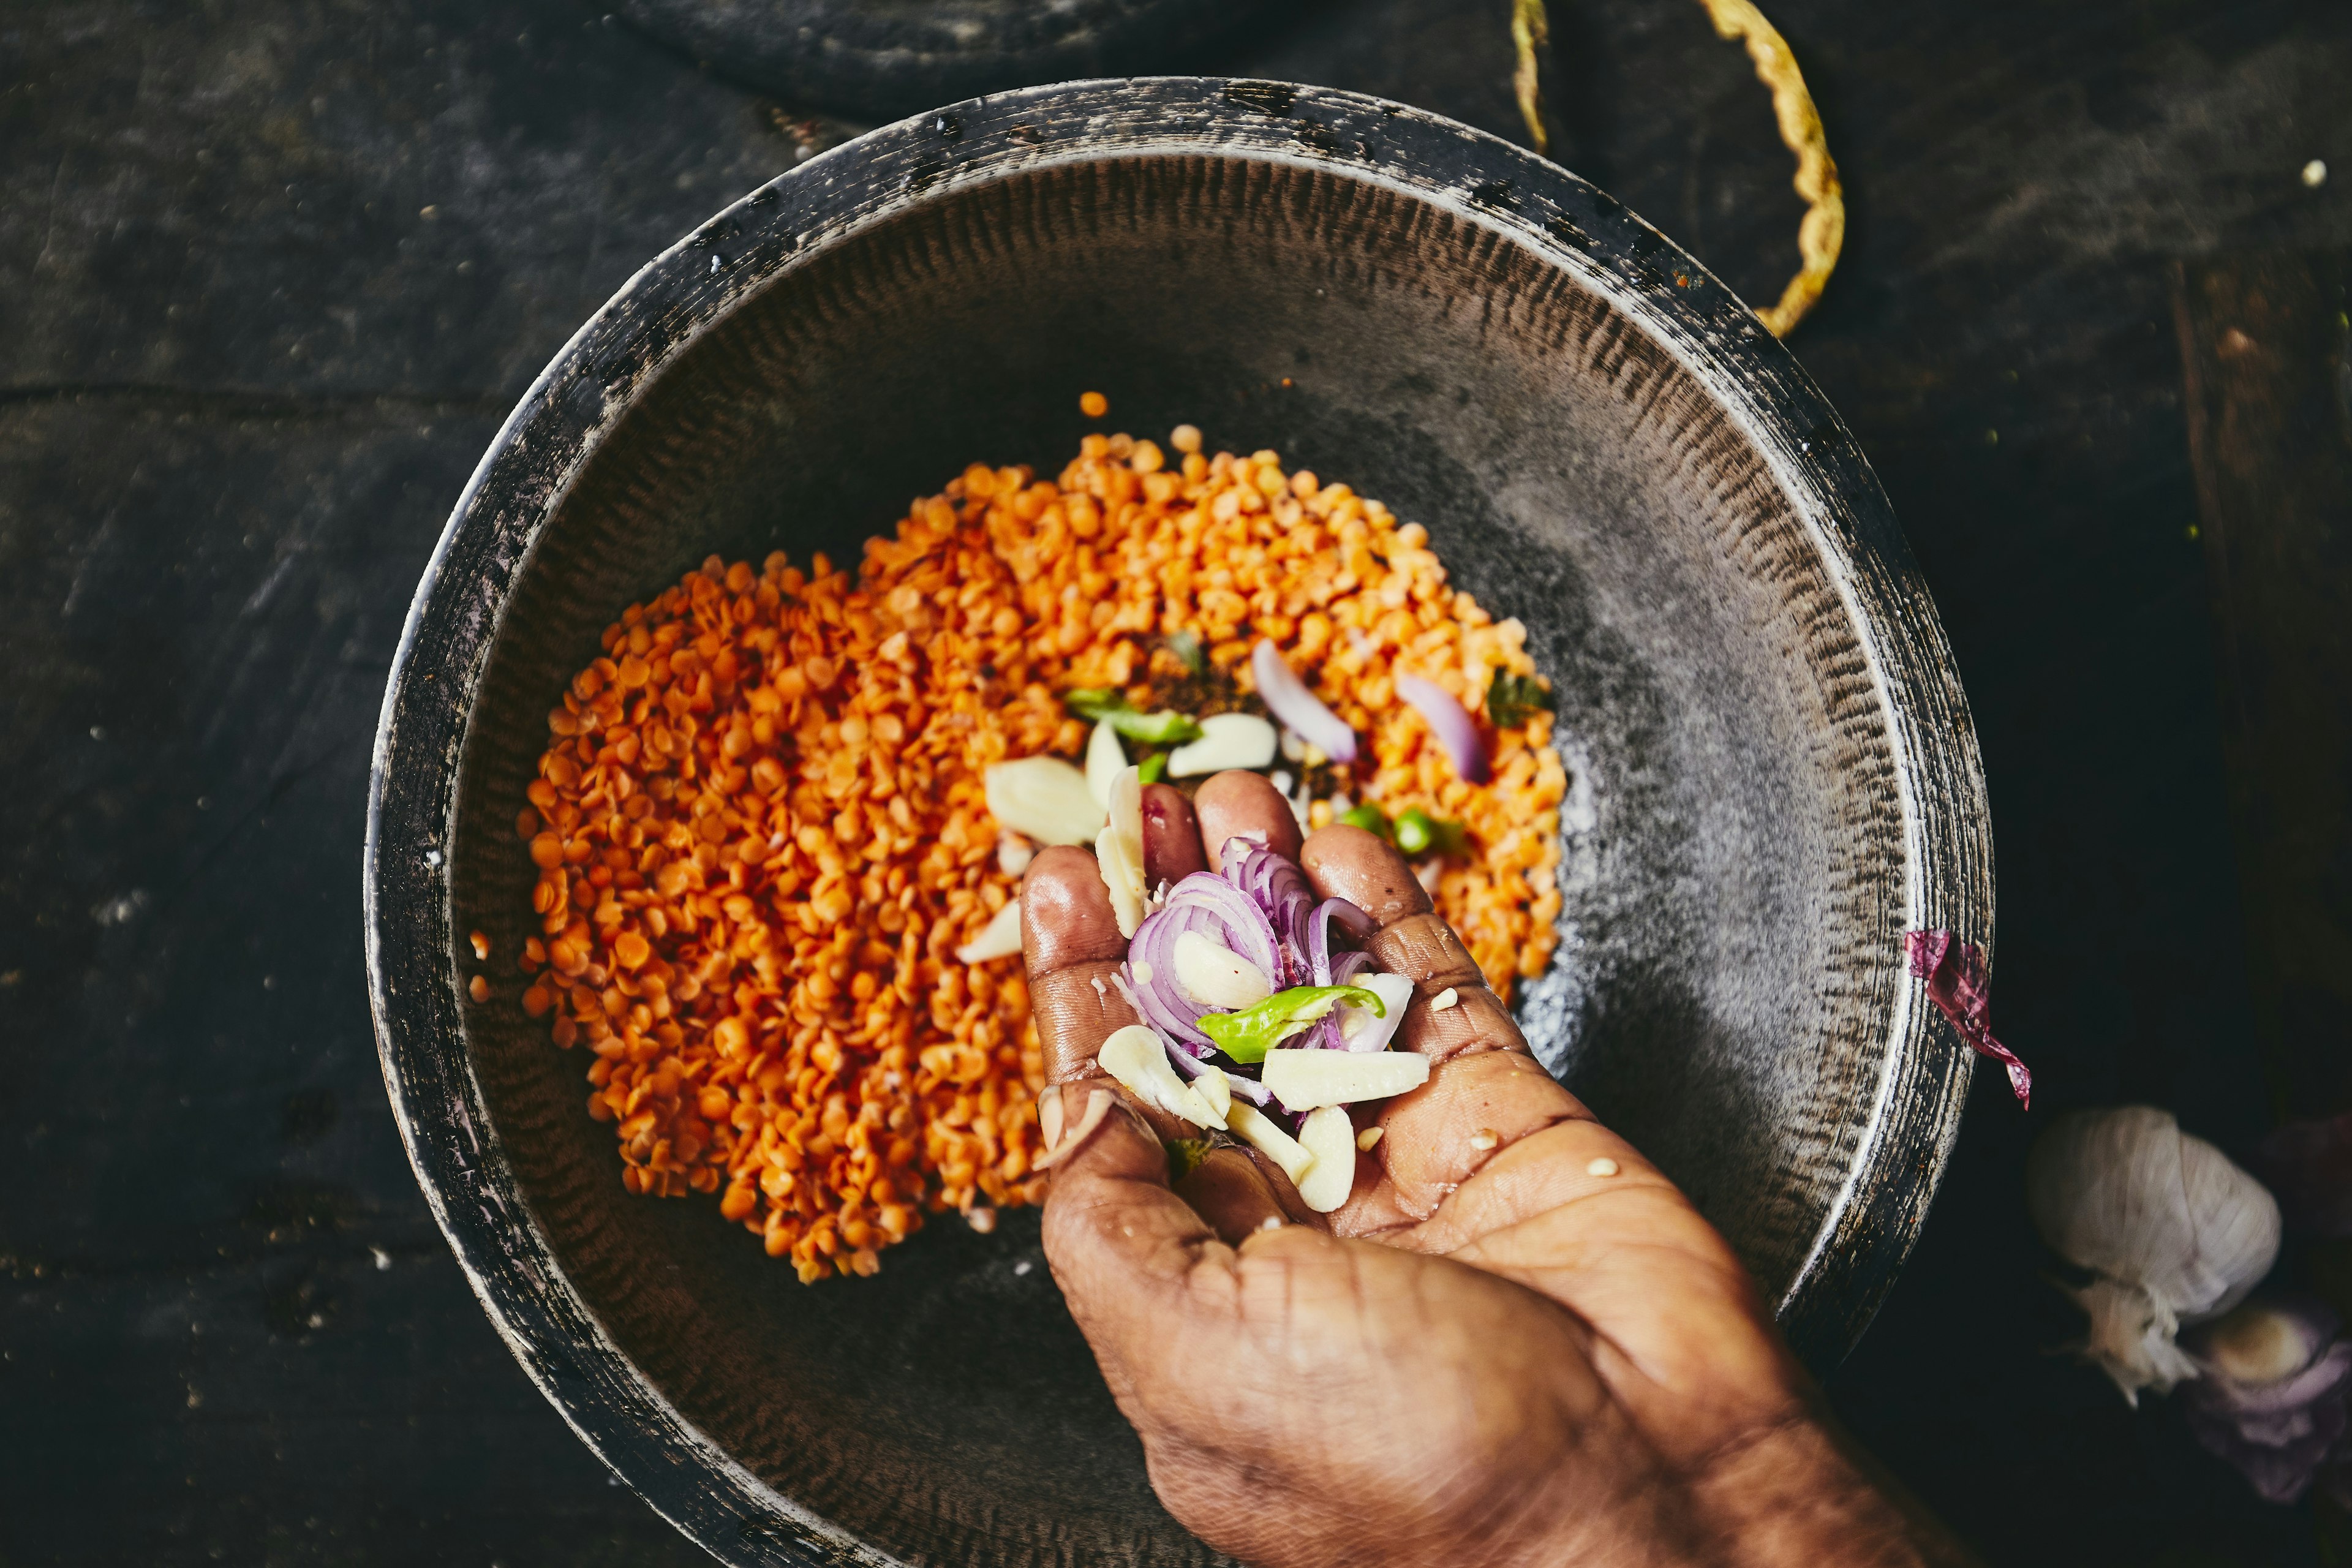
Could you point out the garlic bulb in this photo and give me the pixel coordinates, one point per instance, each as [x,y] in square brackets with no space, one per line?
[2174,1231]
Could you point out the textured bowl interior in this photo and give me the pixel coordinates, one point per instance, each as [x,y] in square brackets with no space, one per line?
[1746,678]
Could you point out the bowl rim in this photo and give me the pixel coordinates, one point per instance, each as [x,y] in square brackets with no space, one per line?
[413,974]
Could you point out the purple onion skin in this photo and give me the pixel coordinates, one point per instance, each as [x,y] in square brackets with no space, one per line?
[2278,1433]
[1286,698]
[1451,723]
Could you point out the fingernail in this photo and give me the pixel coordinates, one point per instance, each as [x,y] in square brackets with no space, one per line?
[1049,1114]
[1098,1104]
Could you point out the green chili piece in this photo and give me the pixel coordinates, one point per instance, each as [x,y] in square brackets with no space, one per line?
[1248,1035]
[1418,833]
[1165,728]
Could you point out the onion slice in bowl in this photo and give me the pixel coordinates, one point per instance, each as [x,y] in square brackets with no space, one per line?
[1286,698]
[1450,722]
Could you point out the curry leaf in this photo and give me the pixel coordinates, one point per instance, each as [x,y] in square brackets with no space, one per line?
[1513,700]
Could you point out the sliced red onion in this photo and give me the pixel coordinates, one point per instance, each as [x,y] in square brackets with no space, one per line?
[1288,698]
[1961,990]
[1317,939]
[1261,907]
[1279,888]
[1450,722]
[1207,903]
[2278,1421]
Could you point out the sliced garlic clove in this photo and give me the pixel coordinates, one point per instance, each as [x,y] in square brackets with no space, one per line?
[1217,1090]
[1014,853]
[1308,1079]
[1119,851]
[1227,740]
[1331,1138]
[1118,878]
[1214,975]
[1137,1058]
[1360,1029]
[1125,808]
[1045,799]
[999,938]
[1105,757]
[1260,1131]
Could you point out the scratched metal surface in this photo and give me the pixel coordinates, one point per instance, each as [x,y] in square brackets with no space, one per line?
[243,376]
[1601,441]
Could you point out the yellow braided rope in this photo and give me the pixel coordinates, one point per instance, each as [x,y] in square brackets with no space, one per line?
[1820,235]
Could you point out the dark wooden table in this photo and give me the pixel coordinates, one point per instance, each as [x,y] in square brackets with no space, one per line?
[271,272]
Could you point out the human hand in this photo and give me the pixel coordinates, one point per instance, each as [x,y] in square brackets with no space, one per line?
[1517,1343]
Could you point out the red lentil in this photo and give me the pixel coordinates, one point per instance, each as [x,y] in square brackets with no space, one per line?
[761,833]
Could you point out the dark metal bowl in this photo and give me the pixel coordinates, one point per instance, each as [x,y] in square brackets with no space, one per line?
[1775,771]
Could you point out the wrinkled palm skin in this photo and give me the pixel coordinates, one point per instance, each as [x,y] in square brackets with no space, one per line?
[1517,1343]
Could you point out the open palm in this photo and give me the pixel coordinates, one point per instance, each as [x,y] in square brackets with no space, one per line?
[1515,1343]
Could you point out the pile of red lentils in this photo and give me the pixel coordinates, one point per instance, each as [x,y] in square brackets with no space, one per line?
[761,832]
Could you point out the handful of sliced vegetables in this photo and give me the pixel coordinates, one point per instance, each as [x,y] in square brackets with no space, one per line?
[1256,1023]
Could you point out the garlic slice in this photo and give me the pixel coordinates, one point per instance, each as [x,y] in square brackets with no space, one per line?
[1331,1138]
[1014,853]
[1119,851]
[1105,757]
[1310,1079]
[1360,1029]
[1137,1058]
[999,938]
[1214,975]
[1045,799]
[1217,1088]
[1260,1131]
[1227,740]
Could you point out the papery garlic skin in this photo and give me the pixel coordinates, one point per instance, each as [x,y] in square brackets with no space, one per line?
[2131,1338]
[2176,1233]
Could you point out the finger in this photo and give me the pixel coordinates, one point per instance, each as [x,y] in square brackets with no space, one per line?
[1172,836]
[1484,1093]
[1346,862]
[1123,1249]
[1071,944]
[1472,1109]
[1234,804]
[1240,1193]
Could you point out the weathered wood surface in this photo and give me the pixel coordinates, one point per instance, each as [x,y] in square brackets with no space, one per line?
[244,373]
[2264,337]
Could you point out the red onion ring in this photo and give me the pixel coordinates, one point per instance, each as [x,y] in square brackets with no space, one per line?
[1209,904]
[1286,698]
[1450,722]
